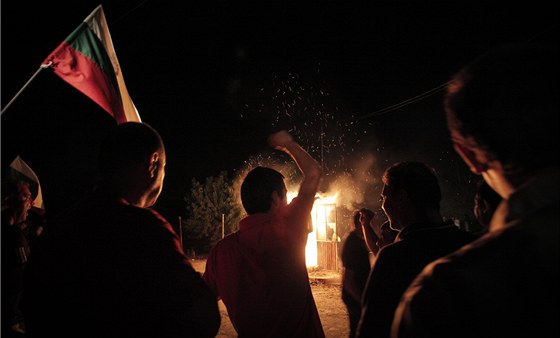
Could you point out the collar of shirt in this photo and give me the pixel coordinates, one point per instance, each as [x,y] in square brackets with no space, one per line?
[254,220]
[422,227]
[539,192]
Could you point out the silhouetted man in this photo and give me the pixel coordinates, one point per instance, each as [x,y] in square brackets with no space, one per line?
[502,113]
[112,267]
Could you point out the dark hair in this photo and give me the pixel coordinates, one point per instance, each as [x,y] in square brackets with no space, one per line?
[418,180]
[507,101]
[127,146]
[257,188]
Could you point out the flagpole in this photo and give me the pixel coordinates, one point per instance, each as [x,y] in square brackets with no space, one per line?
[93,13]
[43,66]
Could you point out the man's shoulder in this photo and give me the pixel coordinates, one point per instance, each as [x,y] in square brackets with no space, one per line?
[226,243]
[477,254]
[301,204]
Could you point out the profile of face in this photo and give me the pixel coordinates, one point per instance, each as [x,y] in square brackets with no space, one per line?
[482,212]
[23,201]
[486,200]
[388,204]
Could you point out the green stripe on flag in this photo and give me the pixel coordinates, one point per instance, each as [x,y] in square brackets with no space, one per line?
[87,43]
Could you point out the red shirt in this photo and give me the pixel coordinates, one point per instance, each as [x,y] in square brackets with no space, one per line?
[260,274]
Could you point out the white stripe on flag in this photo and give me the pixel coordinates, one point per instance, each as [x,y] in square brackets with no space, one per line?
[98,24]
[23,171]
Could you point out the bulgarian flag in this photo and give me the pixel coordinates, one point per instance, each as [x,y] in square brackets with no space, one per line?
[86,59]
[19,170]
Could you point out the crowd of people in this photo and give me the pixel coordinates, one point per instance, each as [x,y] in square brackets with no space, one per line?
[111,266]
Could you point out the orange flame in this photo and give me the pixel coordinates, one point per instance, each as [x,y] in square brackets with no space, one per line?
[321,218]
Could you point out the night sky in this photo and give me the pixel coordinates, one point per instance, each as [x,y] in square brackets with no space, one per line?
[215,78]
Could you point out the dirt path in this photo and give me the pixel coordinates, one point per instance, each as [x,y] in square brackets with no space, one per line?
[326,291]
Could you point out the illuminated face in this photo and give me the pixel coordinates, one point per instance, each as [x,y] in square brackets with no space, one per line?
[388,204]
[24,194]
[24,199]
[483,212]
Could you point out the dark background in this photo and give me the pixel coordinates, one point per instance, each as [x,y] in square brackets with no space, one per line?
[215,78]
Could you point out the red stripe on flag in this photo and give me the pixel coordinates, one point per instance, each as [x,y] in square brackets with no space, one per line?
[87,77]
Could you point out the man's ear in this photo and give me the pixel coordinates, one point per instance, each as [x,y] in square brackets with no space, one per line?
[276,198]
[402,196]
[153,164]
[469,157]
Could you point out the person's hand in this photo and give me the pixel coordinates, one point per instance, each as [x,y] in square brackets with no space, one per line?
[280,140]
[366,216]
[37,231]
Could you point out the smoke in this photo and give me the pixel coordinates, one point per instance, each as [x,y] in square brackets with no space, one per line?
[354,187]
[353,153]
[345,150]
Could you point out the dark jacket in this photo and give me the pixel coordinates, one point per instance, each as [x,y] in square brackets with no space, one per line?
[396,266]
[111,269]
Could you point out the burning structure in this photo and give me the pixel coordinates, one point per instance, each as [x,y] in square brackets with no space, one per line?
[321,251]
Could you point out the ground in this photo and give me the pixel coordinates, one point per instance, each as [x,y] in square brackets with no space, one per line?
[326,288]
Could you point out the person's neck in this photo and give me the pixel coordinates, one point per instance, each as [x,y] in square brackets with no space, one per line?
[119,192]
[498,182]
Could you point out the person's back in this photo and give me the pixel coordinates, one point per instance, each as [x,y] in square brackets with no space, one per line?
[502,113]
[111,267]
[356,264]
[259,271]
[410,198]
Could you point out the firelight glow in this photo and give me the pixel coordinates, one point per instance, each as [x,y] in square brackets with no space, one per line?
[320,219]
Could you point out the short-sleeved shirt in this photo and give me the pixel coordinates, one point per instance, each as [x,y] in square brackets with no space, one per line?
[260,274]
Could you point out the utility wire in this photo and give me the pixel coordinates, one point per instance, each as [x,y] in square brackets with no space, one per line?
[404,103]
[429,92]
